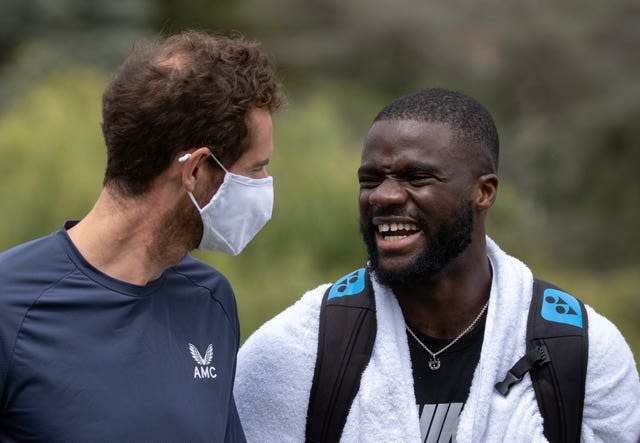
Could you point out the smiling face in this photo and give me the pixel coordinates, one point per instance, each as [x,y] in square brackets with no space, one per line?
[416,200]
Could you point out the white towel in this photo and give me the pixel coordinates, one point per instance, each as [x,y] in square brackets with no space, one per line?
[275,371]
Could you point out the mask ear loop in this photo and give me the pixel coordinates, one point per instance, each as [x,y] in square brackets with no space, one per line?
[184,158]
[193,199]
[218,162]
[187,156]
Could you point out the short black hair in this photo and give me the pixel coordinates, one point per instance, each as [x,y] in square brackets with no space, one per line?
[469,120]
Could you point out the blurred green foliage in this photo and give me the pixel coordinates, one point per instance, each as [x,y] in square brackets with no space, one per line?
[560,79]
[52,155]
[53,160]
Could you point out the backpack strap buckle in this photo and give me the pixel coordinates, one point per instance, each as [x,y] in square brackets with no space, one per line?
[537,356]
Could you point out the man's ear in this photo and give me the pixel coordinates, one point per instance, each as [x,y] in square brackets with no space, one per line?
[486,191]
[193,162]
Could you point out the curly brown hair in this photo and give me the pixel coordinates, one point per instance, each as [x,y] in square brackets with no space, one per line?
[191,90]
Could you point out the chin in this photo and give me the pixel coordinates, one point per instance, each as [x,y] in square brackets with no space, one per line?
[396,265]
[396,271]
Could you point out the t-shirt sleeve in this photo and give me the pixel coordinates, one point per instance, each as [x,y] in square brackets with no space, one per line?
[13,308]
[5,354]
[223,292]
[234,431]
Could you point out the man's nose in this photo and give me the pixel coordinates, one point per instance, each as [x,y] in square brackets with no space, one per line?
[389,192]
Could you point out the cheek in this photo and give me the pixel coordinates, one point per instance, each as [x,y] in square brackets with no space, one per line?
[214,185]
[425,199]
[436,200]
[363,201]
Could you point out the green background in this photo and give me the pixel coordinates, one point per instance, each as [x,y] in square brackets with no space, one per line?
[560,80]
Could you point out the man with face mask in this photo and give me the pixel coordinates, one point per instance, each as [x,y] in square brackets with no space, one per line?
[109,330]
[450,312]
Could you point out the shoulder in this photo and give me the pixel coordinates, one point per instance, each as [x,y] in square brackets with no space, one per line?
[26,272]
[30,268]
[201,283]
[288,339]
[191,271]
[26,256]
[612,392]
[295,325]
[275,371]
[607,346]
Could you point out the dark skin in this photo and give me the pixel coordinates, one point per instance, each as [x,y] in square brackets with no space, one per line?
[412,169]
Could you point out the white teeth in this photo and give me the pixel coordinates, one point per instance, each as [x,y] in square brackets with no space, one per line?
[393,227]
[394,237]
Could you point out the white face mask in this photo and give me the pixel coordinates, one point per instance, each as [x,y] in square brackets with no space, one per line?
[236,213]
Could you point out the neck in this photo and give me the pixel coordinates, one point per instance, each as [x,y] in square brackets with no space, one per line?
[447,304]
[126,238]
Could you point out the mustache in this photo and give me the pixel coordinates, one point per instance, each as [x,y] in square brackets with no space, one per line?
[393,211]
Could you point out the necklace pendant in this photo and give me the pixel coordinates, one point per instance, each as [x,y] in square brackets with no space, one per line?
[434,364]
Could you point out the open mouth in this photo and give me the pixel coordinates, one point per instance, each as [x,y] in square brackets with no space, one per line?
[397,231]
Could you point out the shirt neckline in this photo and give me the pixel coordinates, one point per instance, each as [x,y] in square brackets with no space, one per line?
[100,277]
[464,342]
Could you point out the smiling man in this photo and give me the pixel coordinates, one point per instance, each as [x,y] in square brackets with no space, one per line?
[442,309]
[109,330]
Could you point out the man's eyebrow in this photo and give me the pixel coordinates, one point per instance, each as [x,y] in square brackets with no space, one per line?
[408,169]
[263,162]
[420,167]
[368,170]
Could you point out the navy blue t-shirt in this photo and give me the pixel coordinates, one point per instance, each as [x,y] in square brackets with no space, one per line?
[85,357]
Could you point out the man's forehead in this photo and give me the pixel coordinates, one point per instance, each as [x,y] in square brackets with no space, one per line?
[409,129]
[408,134]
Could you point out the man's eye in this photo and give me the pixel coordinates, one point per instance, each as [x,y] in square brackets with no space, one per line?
[368,182]
[420,180]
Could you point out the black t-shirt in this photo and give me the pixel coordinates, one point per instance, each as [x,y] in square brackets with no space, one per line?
[441,394]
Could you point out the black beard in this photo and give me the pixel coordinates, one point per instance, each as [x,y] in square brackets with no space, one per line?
[444,244]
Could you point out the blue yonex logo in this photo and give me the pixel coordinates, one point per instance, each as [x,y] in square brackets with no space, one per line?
[350,284]
[560,307]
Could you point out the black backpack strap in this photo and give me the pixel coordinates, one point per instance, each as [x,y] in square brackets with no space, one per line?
[556,356]
[346,335]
